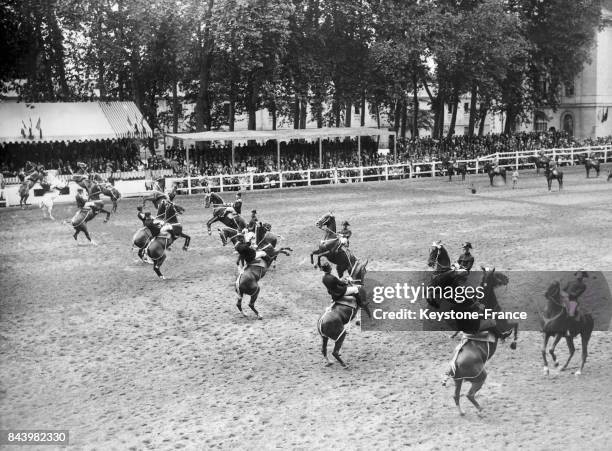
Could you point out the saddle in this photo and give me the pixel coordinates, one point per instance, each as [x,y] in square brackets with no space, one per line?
[348,301]
[484,335]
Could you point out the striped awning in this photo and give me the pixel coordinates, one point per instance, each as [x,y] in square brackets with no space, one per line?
[70,121]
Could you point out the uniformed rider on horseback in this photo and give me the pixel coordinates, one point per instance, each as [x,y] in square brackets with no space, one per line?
[247,249]
[341,290]
[153,224]
[345,234]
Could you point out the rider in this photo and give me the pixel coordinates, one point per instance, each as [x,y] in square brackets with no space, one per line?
[336,287]
[345,233]
[466,260]
[154,225]
[245,249]
[253,222]
[237,205]
[571,292]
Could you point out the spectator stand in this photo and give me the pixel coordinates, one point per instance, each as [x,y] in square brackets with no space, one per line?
[57,135]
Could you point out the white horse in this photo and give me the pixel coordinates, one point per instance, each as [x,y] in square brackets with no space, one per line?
[48,199]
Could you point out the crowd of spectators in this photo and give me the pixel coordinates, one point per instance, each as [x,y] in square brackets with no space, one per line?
[214,160]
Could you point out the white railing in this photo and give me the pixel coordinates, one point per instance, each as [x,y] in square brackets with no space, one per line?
[309,177]
[117,175]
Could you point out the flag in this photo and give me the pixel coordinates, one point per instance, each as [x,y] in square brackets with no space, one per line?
[604,116]
[39,128]
[38,124]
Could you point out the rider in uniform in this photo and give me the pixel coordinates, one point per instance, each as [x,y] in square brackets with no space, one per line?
[253,222]
[345,233]
[466,260]
[336,287]
[571,292]
[245,249]
[154,225]
[237,205]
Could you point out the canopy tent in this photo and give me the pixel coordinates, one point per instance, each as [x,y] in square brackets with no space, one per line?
[74,121]
[287,135]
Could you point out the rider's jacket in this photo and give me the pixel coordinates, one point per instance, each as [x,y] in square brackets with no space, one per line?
[150,223]
[238,206]
[345,233]
[246,251]
[80,201]
[335,287]
[252,224]
[574,289]
[466,261]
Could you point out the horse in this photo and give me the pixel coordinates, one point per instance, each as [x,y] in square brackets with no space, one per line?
[234,225]
[554,174]
[47,201]
[264,239]
[492,171]
[107,189]
[556,321]
[86,214]
[334,323]
[455,168]
[331,247]
[248,278]
[156,251]
[472,354]
[141,240]
[28,180]
[540,162]
[168,213]
[589,163]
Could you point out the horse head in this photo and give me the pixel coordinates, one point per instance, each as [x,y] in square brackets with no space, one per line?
[327,221]
[359,270]
[493,279]
[438,257]
[212,199]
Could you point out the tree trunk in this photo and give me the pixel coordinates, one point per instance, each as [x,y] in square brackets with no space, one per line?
[296,112]
[415,100]
[303,112]
[473,112]
[455,104]
[202,108]
[349,114]
[482,116]
[363,108]
[404,118]
[251,104]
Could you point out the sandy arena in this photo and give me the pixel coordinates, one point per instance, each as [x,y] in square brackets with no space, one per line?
[91,341]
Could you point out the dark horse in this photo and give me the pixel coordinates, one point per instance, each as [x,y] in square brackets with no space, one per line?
[453,168]
[331,248]
[101,187]
[556,321]
[554,174]
[335,321]
[264,238]
[589,163]
[474,351]
[28,180]
[247,280]
[168,212]
[234,223]
[446,277]
[86,214]
[540,162]
[492,171]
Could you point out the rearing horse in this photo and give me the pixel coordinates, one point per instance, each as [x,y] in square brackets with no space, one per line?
[234,223]
[472,354]
[331,247]
[168,212]
[102,187]
[28,180]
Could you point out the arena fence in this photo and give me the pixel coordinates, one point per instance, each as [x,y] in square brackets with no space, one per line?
[310,177]
[133,183]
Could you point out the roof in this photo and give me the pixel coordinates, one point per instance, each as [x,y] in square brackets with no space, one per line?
[282,134]
[70,121]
